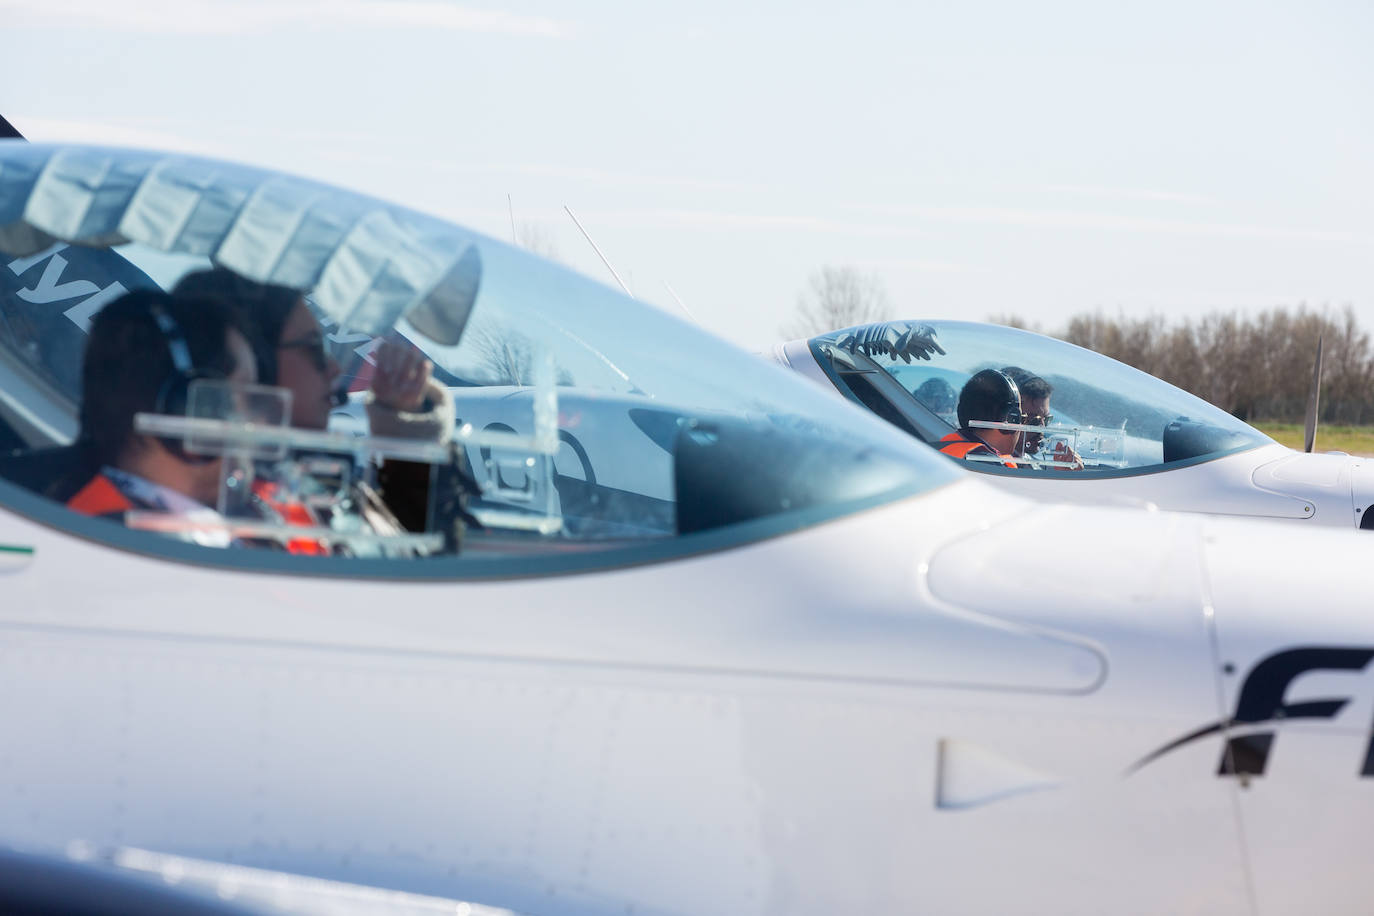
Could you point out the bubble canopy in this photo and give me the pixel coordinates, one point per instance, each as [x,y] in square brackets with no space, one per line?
[1120,420]
[644,412]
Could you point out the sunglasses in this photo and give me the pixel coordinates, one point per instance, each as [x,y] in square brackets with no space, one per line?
[314,350]
[1043,419]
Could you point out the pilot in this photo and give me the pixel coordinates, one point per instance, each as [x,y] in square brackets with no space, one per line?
[143,351]
[404,400]
[992,397]
[1035,411]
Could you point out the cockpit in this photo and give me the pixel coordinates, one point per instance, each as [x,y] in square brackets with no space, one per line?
[577,428]
[1092,414]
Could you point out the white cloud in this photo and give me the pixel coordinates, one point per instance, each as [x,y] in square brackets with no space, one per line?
[98,133]
[228,17]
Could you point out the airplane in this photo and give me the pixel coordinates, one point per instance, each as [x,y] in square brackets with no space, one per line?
[847,674]
[1140,440]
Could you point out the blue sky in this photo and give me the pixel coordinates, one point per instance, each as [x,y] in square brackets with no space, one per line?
[1038,159]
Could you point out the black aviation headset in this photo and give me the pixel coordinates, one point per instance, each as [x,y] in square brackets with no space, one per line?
[1012,413]
[174,392]
[990,395]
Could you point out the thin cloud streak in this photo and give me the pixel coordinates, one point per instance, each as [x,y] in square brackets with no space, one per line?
[721,219]
[1072,219]
[625,179]
[223,17]
[1087,190]
[913,265]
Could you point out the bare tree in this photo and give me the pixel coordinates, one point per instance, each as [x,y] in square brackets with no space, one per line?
[1256,367]
[536,238]
[838,297]
[1013,320]
[508,358]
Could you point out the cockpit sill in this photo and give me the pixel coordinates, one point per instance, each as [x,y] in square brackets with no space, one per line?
[500,559]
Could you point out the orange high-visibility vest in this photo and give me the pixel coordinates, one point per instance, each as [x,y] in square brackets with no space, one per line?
[292,513]
[957,445]
[100,497]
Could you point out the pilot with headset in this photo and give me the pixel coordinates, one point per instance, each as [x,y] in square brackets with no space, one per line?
[1035,411]
[992,397]
[404,401]
[143,352]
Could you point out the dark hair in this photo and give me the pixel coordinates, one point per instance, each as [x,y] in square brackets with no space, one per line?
[262,310]
[990,396]
[1031,386]
[936,393]
[128,363]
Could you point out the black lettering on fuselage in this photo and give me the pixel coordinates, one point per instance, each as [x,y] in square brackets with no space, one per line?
[1262,700]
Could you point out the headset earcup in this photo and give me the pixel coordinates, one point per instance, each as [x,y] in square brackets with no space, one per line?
[1013,402]
[171,397]
[172,400]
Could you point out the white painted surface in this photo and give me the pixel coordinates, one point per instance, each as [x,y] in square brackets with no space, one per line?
[751,731]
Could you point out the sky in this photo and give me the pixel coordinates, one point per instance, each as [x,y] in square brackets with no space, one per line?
[1038,160]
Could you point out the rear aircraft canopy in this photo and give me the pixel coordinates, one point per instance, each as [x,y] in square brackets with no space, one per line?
[1116,419]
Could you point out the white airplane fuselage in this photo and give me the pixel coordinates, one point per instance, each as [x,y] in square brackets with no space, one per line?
[946,704]
[1271,482]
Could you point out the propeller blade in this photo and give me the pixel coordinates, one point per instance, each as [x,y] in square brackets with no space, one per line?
[1309,437]
[8,130]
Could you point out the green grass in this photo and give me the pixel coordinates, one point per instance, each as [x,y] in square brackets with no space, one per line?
[1357,440]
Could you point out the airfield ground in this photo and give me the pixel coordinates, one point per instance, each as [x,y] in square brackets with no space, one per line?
[1357,440]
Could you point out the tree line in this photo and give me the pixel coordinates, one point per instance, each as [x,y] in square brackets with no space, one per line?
[1258,367]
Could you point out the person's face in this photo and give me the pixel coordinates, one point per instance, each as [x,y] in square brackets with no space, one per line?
[304,366]
[1036,412]
[1004,441]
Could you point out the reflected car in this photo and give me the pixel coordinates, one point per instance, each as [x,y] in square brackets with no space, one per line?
[1136,439]
[759,652]
[610,476]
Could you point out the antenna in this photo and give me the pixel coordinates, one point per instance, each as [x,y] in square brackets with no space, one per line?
[1309,437]
[681,304]
[598,252]
[511,207]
